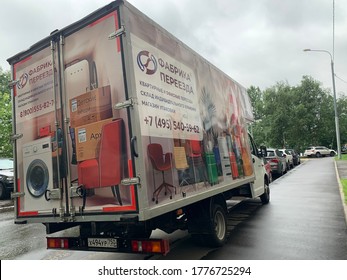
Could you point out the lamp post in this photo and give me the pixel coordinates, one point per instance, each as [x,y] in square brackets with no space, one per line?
[337,127]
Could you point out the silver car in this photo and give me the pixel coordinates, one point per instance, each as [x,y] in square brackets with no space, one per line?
[289,158]
[319,151]
[277,161]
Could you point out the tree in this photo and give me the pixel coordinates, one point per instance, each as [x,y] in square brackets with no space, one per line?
[295,117]
[342,113]
[315,114]
[5,115]
[258,130]
[277,109]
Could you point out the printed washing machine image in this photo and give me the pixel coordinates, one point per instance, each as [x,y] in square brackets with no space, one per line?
[38,174]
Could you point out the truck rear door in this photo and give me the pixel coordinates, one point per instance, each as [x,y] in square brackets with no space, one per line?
[72,145]
[36,107]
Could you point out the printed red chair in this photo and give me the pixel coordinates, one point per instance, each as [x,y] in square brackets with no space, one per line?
[107,169]
[160,162]
[197,161]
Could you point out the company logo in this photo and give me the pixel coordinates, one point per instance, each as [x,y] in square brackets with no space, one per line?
[22,81]
[147,62]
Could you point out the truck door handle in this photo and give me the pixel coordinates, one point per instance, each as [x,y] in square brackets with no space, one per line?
[133,146]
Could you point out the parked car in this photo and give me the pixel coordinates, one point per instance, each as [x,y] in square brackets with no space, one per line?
[289,158]
[296,156]
[268,169]
[277,161]
[6,177]
[319,151]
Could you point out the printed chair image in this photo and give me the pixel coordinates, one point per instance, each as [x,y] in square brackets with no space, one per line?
[160,162]
[197,161]
[107,169]
[181,165]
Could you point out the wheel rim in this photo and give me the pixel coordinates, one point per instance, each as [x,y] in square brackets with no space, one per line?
[219,225]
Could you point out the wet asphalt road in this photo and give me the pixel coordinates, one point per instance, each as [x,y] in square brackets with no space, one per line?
[304,220]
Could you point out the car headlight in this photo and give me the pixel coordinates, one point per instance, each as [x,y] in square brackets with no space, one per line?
[7,179]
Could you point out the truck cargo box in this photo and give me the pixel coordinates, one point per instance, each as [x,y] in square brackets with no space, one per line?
[117,120]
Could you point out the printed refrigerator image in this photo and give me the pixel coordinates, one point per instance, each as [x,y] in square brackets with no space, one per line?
[120,128]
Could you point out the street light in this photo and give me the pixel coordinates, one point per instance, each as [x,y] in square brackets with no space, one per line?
[335,107]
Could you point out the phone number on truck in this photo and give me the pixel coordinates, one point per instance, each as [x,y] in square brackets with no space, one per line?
[164,123]
[36,108]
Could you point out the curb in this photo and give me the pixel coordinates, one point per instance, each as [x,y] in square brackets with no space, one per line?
[6,209]
[341,191]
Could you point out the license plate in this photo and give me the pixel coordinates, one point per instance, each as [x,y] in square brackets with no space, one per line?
[102,242]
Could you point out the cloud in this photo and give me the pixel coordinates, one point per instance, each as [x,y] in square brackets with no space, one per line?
[256,42]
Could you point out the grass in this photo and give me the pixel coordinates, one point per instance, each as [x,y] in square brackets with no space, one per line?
[344,187]
[344,157]
[344,181]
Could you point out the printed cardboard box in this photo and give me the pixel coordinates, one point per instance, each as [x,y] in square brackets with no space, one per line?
[91,107]
[88,139]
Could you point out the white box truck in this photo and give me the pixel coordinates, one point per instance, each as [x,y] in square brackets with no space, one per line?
[120,129]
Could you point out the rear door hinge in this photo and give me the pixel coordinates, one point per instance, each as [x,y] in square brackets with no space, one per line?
[17,194]
[15,137]
[125,104]
[11,84]
[117,33]
[130,181]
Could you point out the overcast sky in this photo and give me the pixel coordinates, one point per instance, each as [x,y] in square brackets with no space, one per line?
[256,42]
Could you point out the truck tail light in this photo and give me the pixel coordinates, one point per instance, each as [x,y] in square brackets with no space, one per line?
[150,246]
[57,243]
[275,160]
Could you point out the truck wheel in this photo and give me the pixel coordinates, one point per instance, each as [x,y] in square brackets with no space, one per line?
[265,197]
[219,226]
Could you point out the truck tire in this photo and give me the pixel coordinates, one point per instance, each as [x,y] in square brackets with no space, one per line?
[212,225]
[219,224]
[265,197]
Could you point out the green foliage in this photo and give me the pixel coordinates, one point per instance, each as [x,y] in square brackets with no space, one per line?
[344,186]
[296,117]
[5,115]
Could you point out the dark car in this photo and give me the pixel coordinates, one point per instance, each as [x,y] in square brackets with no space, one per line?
[6,177]
[296,156]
